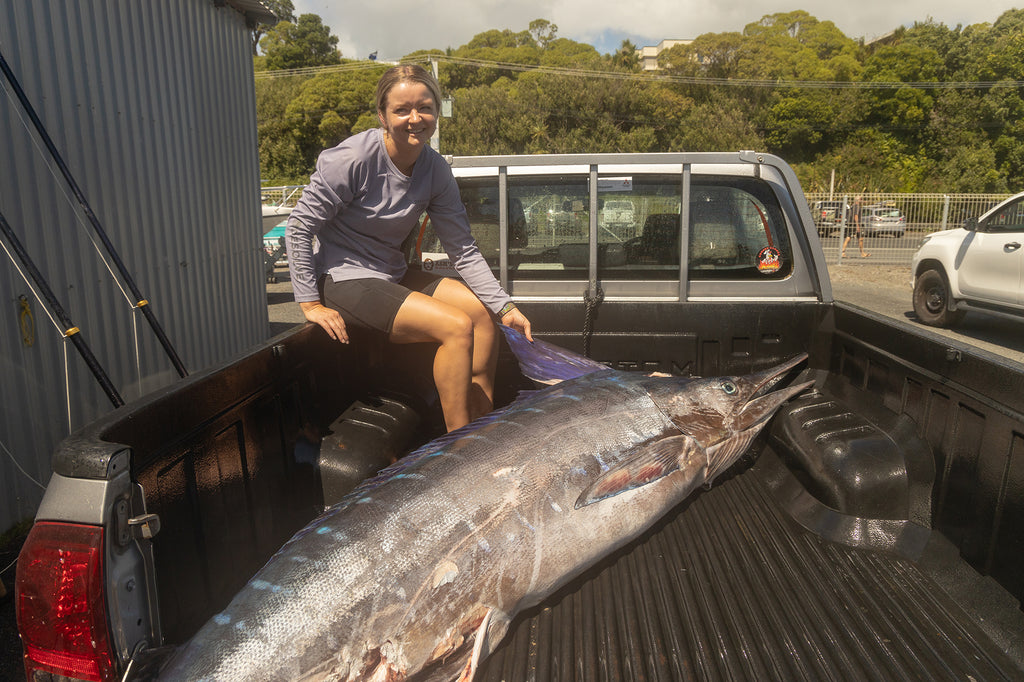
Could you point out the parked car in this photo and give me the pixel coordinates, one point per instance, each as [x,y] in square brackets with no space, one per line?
[829,216]
[618,214]
[882,219]
[978,267]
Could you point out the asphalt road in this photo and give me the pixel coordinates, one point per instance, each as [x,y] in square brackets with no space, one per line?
[886,290]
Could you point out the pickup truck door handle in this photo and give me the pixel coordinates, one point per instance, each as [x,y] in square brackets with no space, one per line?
[1011,246]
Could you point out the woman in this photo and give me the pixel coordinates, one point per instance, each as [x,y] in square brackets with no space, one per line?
[365,197]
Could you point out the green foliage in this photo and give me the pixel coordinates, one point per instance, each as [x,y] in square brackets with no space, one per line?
[302,44]
[301,115]
[281,162]
[787,84]
[285,11]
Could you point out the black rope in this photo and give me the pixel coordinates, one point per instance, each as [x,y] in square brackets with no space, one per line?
[592,303]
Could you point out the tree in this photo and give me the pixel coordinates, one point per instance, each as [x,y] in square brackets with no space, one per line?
[797,124]
[625,57]
[709,56]
[543,32]
[714,127]
[521,130]
[281,160]
[328,108]
[284,10]
[302,44]
[903,110]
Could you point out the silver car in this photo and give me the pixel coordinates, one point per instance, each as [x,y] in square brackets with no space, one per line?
[879,220]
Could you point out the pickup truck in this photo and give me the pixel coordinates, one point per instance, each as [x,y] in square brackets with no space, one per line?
[874,529]
[979,266]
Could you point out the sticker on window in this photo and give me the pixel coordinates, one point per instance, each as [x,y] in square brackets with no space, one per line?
[769,260]
[624,184]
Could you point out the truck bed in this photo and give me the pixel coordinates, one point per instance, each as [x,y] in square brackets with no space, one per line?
[730,586]
[787,569]
[842,552]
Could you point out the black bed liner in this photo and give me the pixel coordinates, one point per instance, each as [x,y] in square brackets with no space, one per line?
[729,586]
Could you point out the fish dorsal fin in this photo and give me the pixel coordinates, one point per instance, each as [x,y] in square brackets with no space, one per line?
[643,464]
[546,363]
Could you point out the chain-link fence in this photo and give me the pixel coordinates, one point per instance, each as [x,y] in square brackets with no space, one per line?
[891,225]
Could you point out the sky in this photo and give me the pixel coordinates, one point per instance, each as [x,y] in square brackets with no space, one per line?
[394,28]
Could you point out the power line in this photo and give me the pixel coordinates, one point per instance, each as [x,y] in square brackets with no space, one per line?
[317,70]
[648,77]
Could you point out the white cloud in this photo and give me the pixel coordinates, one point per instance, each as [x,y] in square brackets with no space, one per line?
[395,28]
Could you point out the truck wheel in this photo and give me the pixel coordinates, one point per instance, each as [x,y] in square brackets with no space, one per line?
[931,300]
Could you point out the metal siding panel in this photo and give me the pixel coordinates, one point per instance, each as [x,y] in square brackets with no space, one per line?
[151,107]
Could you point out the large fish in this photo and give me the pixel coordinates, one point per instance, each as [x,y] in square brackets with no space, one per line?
[421,569]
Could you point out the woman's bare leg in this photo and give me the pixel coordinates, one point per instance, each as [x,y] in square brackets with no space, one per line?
[485,343]
[448,317]
[425,319]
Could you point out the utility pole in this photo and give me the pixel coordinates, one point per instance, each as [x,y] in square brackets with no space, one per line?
[435,139]
[444,110]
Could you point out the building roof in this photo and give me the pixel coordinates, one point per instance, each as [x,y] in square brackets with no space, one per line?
[253,10]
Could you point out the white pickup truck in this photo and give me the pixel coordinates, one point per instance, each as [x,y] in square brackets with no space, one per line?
[979,266]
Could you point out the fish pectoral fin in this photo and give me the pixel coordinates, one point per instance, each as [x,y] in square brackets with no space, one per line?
[480,649]
[491,631]
[644,464]
[459,653]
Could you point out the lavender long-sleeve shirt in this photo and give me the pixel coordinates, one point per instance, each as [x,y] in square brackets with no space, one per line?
[361,208]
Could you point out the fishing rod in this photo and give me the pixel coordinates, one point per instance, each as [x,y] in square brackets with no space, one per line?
[45,296]
[140,301]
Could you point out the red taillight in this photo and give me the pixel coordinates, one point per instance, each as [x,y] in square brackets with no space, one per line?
[62,616]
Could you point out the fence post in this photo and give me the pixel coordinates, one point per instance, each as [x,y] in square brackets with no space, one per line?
[842,227]
[945,211]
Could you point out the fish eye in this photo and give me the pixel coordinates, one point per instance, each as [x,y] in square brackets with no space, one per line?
[729,387]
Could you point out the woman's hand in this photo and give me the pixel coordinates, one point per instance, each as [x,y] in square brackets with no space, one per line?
[328,318]
[517,321]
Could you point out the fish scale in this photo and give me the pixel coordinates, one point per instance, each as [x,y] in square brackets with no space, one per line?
[448,545]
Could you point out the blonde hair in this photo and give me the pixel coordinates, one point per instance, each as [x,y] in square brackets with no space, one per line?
[406,73]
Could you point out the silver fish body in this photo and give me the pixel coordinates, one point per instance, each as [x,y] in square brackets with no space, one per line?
[428,563]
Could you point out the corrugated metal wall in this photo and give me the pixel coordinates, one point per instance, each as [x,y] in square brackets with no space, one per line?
[151,105]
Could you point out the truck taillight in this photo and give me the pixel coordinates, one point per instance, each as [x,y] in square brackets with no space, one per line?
[62,615]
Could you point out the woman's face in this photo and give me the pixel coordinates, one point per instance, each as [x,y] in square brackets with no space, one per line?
[410,116]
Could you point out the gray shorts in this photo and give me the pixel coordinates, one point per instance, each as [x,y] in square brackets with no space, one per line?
[373,303]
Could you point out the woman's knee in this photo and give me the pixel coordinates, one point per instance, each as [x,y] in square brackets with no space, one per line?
[457,294]
[456,328]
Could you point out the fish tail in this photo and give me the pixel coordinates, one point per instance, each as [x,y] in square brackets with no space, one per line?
[546,363]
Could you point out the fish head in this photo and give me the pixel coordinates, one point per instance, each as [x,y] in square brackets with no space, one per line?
[717,409]
[714,421]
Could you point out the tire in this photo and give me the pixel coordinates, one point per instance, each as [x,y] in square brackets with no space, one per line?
[932,298]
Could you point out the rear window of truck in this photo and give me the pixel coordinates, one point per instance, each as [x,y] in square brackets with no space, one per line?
[737,230]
